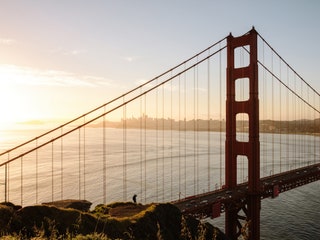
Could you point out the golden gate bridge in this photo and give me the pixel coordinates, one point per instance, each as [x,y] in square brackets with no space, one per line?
[219,132]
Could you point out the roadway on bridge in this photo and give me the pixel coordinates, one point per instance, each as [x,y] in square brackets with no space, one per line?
[213,203]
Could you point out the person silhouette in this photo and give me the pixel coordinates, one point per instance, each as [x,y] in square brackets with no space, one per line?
[134,198]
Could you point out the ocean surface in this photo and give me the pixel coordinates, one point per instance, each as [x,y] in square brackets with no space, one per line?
[106,165]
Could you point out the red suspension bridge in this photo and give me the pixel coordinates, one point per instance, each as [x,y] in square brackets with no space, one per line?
[230,126]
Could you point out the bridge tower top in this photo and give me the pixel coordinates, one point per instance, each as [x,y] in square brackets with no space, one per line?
[251,148]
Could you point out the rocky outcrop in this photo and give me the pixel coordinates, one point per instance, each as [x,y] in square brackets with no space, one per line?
[116,221]
[82,205]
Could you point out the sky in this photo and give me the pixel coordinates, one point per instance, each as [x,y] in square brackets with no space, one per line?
[59,59]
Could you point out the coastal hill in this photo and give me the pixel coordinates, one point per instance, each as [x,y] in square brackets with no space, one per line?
[303,126]
[122,220]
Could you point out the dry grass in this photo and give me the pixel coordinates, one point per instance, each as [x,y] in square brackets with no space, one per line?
[127,210]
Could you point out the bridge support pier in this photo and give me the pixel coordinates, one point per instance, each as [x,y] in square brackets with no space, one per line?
[237,224]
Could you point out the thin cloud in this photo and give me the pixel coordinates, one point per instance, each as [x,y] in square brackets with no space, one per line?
[99,81]
[11,75]
[7,41]
[130,58]
[73,52]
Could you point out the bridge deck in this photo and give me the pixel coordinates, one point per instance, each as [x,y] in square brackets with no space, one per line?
[213,203]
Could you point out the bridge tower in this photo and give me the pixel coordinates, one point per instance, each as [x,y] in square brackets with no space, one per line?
[250,206]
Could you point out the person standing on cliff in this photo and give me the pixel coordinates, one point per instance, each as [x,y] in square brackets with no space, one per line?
[134,198]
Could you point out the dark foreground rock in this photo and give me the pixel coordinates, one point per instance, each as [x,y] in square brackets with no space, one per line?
[82,205]
[116,221]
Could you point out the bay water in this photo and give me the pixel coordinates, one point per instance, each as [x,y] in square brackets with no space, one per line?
[106,165]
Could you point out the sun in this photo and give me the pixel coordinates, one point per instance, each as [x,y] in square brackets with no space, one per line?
[15,104]
[9,107]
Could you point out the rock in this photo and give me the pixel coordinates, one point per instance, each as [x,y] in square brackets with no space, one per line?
[52,221]
[81,205]
[6,213]
[9,204]
[116,221]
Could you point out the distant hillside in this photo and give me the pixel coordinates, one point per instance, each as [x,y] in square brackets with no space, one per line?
[266,126]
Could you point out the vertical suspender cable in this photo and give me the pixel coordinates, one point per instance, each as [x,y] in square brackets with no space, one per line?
[124,151]
[79,161]
[308,126]
[315,129]
[298,146]
[84,158]
[315,137]
[208,131]
[272,112]
[145,147]
[37,169]
[52,173]
[280,113]
[295,123]
[301,123]
[141,148]
[163,148]
[185,131]
[61,164]
[179,132]
[288,121]
[6,182]
[157,143]
[220,114]
[21,180]
[197,140]
[104,158]
[171,138]
[264,107]
[194,132]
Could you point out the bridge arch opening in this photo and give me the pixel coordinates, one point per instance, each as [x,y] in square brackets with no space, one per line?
[242,127]
[242,169]
[241,56]
[242,89]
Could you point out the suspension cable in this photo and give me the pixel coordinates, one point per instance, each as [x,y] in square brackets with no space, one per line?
[288,65]
[285,85]
[113,109]
[115,99]
[290,89]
